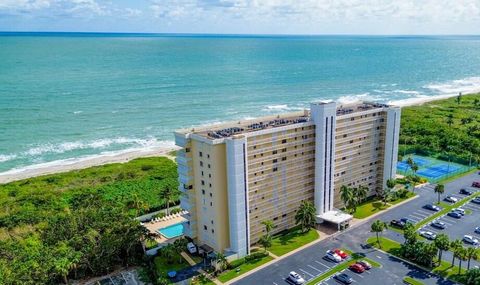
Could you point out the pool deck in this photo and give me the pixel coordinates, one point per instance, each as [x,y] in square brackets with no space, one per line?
[153,227]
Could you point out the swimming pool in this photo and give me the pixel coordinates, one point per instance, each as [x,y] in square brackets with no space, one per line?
[172,231]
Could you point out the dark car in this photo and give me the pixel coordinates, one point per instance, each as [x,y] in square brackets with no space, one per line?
[344,278]
[432,207]
[397,223]
[465,191]
[407,221]
[476,184]
[455,214]
[476,200]
[438,225]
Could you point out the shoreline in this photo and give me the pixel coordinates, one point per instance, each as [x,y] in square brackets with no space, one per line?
[66,165]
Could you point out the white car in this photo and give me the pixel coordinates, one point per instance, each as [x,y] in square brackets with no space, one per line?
[295,278]
[460,210]
[191,248]
[477,230]
[333,256]
[451,199]
[470,240]
[428,235]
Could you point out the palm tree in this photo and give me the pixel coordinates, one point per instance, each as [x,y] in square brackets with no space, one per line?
[439,189]
[442,242]
[476,102]
[391,183]
[347,197]
[472,253]
[305,216]
[377,227]
[454,245]
[221,261]
[410,162]
[410,234]
[137,204]
[265,241]
[168,193]
[459,98]
[472,277]
[168,252]
[450,120]
[269,226]
[360,193]
[461,254]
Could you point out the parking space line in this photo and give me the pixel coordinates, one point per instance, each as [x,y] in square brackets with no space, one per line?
[314,268]
[418,216]
[322,264]
[424,212]
[306,272]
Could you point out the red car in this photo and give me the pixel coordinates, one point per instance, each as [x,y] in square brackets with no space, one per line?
[357,268]
[476,184]
[341,253]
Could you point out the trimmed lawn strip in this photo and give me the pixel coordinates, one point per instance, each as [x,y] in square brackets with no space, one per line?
[291,239]
[163,267]
[411,281]
[247,266]
[387,245]
[446,270]
[374,206]
[445,210]
[343,266]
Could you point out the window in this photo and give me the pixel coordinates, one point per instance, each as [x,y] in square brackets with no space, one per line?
[284,150]
[275,169]
[208,155]
[343,158]
[203,182]
[209,175]
[284,215]
[284,158]
[204,227]
[254,156]
[203,191]
[209,165]
[212,222]
[187,149]
[211,204]
[352,119]
[213,231]
[201,163]
[284,141]
[210,185]
[276,218]
[274,161]
[211,195]
[345,135]
[200,154]
[351,141]
[202,172]
[274,152]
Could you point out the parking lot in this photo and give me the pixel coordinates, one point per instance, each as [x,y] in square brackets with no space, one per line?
[368,277]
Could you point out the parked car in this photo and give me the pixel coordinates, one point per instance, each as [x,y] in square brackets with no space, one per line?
[295,278]
[454,214]
[397,223]
[365,264]
[460,211]
[476,184]
[343,278]
[191,248]
[476,200]
[470,239]
[465,191]
[477,230]
[432,207]
[451,199]
[357,268]
[407,221]
[438,225]
[428,235]
[333,256]
[340,253]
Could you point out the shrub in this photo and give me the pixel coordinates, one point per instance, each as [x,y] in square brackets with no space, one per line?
[175,211]
[236,263]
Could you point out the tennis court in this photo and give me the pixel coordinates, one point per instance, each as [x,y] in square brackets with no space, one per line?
[430,168]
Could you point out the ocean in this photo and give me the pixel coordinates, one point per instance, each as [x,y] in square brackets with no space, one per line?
[71,96]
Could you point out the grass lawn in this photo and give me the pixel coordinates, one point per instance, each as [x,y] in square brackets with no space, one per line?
[411,281]
[249,265]
[371,207]
[342,266]
[291,239]
[150,244]
[163,267]
[387,245]
[446,270]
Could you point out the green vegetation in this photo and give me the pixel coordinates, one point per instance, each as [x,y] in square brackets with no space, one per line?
[305,216]
[386,244]
[163,267]
[79,224]
[375,205]
[411,281]
[446,129]
[342,266]
[240,266]
[291,239]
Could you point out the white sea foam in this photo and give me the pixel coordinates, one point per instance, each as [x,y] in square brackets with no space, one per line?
[282,108]
[353,98]
[77,112]
[466,85]
[7,157]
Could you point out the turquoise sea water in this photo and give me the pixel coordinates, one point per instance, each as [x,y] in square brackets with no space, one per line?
[65,96]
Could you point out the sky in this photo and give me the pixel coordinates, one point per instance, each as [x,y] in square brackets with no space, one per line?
[367,17]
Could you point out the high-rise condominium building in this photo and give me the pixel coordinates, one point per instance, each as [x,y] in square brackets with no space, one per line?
[238,174]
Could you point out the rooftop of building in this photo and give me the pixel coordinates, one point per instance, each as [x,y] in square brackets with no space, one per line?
[229,129]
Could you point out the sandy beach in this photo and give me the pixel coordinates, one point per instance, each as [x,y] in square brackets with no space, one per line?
[121,157]
[80,163]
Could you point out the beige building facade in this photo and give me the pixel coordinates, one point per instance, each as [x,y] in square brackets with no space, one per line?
[236,175]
